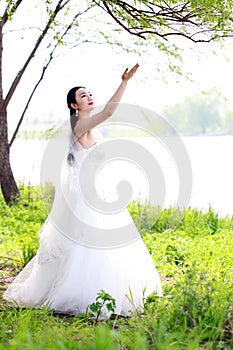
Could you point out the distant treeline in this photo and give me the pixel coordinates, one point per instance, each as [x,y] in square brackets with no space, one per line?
[205,113]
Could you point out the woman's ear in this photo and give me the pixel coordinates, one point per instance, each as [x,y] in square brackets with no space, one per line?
[74,105]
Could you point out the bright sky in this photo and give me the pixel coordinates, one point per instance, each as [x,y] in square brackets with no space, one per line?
[99,68]
[100,71]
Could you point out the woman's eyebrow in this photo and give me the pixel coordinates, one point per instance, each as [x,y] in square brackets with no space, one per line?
[81,92]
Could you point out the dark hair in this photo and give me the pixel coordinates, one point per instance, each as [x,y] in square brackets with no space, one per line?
[73,118]
[71,99]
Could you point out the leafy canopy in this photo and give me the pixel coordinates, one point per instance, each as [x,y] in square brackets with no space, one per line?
[197,20]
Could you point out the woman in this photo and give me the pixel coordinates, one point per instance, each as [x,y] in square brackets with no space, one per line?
[78,256]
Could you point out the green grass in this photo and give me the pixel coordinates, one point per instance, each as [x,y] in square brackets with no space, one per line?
[35,133]
[191,249]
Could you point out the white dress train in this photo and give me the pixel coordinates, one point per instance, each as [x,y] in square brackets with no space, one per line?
[71,265]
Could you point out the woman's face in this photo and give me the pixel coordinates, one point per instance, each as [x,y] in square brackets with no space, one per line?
[84,99]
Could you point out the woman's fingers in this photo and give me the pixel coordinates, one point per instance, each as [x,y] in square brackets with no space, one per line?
[128,74]
[133,70]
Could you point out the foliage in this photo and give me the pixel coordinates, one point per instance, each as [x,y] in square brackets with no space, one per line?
[200,114]
[198,21]
[20,224]
[227,122]
[192,251]
[103,300]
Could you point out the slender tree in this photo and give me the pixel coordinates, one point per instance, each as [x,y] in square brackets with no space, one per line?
[8,184]
[56,31]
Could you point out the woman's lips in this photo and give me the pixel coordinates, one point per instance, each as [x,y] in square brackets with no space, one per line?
[91,103]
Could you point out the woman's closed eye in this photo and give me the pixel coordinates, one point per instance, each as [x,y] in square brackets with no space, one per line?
[85,95]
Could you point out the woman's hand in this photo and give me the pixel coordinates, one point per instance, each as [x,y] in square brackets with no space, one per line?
[128,74]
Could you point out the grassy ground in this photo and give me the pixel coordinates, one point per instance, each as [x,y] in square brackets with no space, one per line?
[192,251]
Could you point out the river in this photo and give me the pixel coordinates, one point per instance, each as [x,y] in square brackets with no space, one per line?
[210,158]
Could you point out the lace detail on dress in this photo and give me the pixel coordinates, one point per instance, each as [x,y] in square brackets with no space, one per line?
[51,244]
[48,256]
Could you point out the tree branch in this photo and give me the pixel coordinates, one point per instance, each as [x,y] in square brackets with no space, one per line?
[21,29]
[51,56]
[31,55]
[5,16]
[119,22]
[166,19]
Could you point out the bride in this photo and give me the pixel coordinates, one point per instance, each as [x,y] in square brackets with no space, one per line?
[83,251]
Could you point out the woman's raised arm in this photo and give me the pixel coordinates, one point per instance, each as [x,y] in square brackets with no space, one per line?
[85,124]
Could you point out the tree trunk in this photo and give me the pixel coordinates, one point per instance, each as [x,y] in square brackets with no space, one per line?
[8,184]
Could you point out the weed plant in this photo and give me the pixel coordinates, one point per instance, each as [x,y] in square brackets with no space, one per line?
[192,251]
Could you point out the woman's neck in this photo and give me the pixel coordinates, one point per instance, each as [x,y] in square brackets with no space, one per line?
[84,114]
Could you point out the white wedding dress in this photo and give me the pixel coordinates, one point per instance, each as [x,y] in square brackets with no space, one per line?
[83,251]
